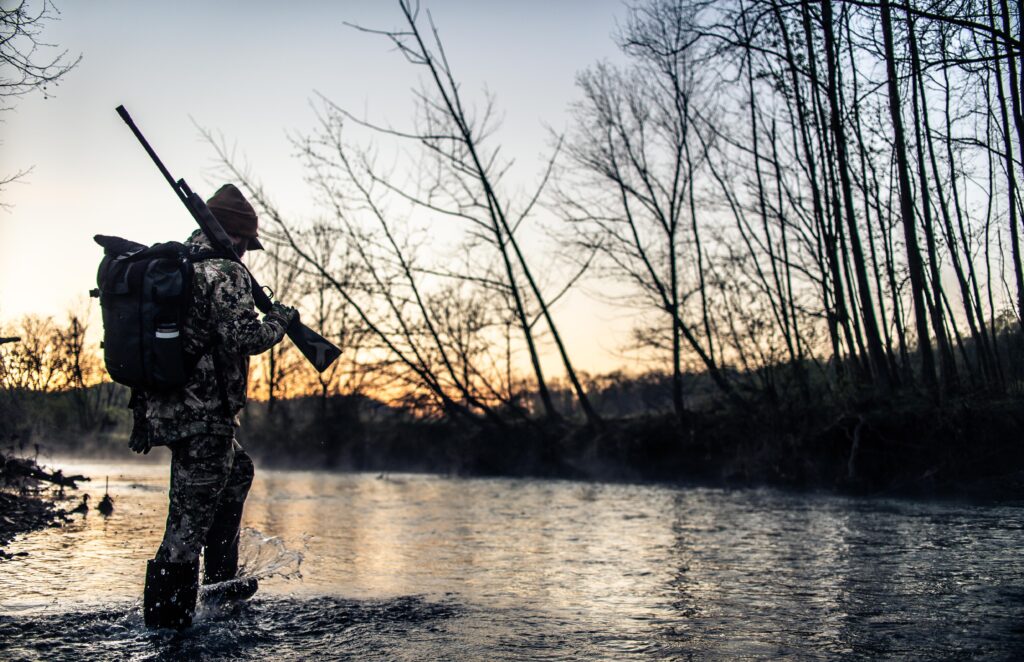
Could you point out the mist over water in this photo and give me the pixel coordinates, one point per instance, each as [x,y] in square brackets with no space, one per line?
[426,567]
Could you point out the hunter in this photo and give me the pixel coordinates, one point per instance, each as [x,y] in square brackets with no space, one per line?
[210,472]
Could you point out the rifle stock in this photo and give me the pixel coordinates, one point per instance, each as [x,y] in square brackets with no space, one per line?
[320,352]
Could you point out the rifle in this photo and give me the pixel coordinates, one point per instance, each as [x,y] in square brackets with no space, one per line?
[317,350]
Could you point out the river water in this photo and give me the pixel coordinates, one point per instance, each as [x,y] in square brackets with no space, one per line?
[417,567]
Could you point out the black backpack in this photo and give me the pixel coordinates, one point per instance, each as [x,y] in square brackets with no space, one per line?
[145,293]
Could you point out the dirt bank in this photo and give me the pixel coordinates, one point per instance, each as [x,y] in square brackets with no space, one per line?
[21,514]
[25,502]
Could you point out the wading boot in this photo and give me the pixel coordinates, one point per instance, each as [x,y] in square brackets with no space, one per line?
[171,591]
[220,558]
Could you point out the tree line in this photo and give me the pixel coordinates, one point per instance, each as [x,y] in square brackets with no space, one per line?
[797,202]
[814,187]
[52,380]
[801,200]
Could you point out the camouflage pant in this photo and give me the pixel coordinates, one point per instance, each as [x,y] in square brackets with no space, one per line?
[210,478]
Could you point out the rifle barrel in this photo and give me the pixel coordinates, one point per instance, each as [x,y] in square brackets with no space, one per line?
[319,351]
[149,150]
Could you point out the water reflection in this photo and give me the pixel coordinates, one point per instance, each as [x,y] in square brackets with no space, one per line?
[534,569]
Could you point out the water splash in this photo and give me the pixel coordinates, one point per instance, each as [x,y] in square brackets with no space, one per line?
[260,557]
[263,557]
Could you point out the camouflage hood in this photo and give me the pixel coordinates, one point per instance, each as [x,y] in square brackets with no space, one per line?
[199,241]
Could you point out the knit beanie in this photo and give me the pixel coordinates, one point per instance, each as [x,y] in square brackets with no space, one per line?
[235,214]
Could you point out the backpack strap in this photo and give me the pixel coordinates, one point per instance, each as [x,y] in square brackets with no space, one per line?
[206,254]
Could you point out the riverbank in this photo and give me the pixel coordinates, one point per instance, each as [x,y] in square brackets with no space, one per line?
[24,505]
[967,447]
[24,514]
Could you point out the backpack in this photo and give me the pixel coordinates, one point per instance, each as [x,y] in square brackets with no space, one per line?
[145,293]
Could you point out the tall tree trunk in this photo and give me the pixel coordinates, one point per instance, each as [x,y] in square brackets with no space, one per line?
[876,351]
[947,364]
[916,268]
[864,160]
[810,162]
[839,316]
[1018,120]
[952,241]
[971,289]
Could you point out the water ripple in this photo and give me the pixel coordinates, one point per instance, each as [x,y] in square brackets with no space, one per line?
[423,567]
[263,628]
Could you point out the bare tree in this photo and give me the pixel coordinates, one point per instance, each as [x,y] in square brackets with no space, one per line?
[637,150]
[397,297]
[38,363]
[844,144]
[27,63]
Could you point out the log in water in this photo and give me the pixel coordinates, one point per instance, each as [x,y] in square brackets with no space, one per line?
[425,567]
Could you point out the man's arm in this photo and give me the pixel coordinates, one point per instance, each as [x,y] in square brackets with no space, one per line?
[239,329]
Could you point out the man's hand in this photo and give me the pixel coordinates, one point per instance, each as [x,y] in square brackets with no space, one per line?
[285,314]
[139,439]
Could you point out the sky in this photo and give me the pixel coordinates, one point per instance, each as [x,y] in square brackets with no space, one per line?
[249,70]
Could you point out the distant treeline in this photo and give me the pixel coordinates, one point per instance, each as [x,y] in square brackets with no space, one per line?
[965,444]
[53,390]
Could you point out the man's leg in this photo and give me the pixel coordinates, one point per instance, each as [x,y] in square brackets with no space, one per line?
[221,555]
[200,469]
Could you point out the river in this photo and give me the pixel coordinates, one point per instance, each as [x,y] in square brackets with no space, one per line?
[420,567]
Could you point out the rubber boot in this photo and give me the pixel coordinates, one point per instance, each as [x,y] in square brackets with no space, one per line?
[220,558]
[171,591]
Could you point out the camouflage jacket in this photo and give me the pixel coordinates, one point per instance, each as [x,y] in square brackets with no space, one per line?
[223,330]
